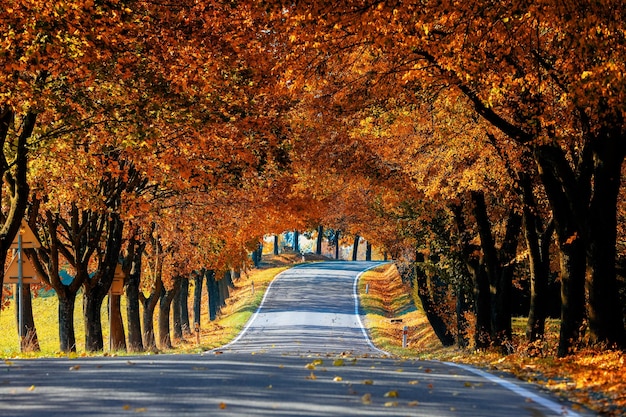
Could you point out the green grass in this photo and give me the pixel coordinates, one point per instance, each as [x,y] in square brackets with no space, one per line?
[45,313]
[240,307]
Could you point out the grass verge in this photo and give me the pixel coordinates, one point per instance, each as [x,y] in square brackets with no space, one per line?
[591,378]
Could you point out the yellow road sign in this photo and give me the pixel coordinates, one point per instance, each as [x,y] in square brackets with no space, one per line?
[29,275]
[29,240]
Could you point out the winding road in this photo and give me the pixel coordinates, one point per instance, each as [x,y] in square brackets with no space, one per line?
[303,353]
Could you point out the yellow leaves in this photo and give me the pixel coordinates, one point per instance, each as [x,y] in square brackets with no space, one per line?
[337,379]
[586,74]
[222,406]
[368,382]
[391,394]
[338,362]
[31,388]
[366,399]
[74,368]
[311,377]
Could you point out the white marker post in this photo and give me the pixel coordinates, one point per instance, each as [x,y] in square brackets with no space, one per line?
[405,333]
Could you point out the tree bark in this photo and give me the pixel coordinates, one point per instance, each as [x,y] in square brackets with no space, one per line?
[214,295]
[67,338]
[184,307]
[336,242]
[427,287]
[177,312]
[117,336]
[135,335]
[355,247]
[480,282]
[29,341]
[552,169]
[165,306]
[320,237]
[92,306]
[368,251]
[197,296]
[605,313]
[97,287]
[276,251]
[296,241]
[538,244]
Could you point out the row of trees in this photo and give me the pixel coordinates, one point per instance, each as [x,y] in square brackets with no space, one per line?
[485,139]
[483,122]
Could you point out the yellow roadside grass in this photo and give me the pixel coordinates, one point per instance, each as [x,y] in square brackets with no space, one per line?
[594,378]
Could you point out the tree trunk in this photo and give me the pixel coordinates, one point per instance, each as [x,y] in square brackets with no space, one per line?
[29,341]
[368,251]
[605,314]
[480,281]
[570,245]
[538,245]
[67,336]
[355,247]
[276,251]
[463,305]
[427,287]
[296,241]
[177,311]
[197,297]
[135,339]
[214,295]
[537,238]
[337,233]
[165,305]
[184,307]
[149,340]
[92,307]
[117,336]
[320,237]
[499,269]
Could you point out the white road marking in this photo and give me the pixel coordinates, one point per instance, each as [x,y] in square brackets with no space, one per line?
[559,409]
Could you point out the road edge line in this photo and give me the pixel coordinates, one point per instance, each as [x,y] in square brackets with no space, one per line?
[559,409]
[355,295]
[254,315]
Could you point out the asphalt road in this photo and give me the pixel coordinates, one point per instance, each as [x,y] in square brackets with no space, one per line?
[304,353]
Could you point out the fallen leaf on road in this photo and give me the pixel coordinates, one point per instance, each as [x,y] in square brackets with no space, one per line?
[337,379]
[31,388]
[413,403]
[338,362]
[74,368]
[312,376]
[222,406]
[391,394]
[366,399]
[391,404]
[309,366]
[126,407]
[414,382]
[368,382]
[141,410]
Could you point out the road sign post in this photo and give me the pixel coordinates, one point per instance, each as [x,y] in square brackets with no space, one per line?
[20,295]
[25,239]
